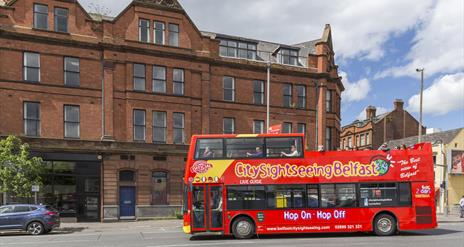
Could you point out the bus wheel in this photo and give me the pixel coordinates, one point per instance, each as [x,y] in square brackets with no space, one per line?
[243,228]
[384,225]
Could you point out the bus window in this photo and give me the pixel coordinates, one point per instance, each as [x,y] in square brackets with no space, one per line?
[404,193]
[346,195]
[378,194]
[284,147]
[313,196]
[328,195]
[245,197]
[285,196]
[209,149]
[244,147]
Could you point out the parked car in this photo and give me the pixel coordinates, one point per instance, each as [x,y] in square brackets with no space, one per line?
[35,219]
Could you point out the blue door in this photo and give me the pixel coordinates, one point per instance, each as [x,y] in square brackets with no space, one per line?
[127,202]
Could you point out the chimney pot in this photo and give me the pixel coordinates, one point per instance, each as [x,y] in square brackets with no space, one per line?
[398,104]
[370,112]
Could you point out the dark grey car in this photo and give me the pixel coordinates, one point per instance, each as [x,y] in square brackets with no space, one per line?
[35,219]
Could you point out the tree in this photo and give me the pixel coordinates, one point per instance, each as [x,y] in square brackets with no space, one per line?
[18,171]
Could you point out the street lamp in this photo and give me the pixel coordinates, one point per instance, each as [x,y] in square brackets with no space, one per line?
[268,89]
[421,70]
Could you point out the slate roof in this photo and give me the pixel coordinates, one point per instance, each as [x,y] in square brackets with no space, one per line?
[361,123]
[444,136]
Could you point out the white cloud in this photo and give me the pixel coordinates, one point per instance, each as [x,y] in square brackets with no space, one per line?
[445,95]
[354,91]
[379,110]
[360,27]
[438,44]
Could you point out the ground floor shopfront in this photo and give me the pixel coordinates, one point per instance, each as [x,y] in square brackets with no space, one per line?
[108,181]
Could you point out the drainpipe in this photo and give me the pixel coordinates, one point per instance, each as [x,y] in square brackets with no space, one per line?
[317,115]
[103,93]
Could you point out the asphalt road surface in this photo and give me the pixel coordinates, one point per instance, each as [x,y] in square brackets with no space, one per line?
[446,235]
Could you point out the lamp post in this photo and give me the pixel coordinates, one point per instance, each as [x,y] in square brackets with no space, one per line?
[268,89]
[421,70]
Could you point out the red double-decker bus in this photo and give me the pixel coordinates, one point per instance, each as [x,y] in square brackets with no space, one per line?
[243,185]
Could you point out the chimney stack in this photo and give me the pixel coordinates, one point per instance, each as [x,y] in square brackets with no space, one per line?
[370,112]
[398,104]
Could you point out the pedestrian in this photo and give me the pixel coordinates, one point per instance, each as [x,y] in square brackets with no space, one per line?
[461,204]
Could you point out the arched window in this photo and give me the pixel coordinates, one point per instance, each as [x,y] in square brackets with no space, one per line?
[126,176]
[160,188]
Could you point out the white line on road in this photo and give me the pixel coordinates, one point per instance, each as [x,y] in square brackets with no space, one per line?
[205,244]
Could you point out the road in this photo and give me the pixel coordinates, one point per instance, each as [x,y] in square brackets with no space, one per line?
[446,235]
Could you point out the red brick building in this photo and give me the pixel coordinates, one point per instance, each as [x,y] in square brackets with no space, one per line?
[110,103]
[375,130]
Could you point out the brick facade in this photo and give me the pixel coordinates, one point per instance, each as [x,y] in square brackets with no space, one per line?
[107,49]
[378,129]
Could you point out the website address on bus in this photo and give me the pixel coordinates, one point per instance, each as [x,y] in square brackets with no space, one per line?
[298,228]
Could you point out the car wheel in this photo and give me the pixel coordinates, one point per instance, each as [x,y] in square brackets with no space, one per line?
[384,225]
[35,228]
[243,228]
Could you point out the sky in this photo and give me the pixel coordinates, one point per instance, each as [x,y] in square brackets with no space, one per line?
[378,46]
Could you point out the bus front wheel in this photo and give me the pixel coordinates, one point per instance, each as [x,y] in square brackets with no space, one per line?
[243,228]
[384,225]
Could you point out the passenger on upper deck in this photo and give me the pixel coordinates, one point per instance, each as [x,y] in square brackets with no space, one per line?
[208,153]
[293,152]
[257,153]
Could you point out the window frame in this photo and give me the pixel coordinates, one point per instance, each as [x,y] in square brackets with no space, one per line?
[231,46]
[289,53]
[317,186]
[40,13]
[182,128]
[164,127]
[26,67]
[144,125]
[287,96]
[231,90]
[265,145]
[56,19]
[176,34]
[259,92]
[301,102]
[224,125]
[298,125]
[135,77]
[159,80]
[162,32]
[178,83]
[290,124]
[329,138]
[328,100]
[66,71]
[261,123]
[36,120]
[66,122]
[147,29]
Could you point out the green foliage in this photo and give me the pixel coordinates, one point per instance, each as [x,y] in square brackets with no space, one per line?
[18,171]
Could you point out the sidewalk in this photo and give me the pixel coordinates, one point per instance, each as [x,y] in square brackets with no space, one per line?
[143,225]
[441,218]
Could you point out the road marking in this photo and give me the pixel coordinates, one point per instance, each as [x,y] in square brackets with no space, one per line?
[205,244]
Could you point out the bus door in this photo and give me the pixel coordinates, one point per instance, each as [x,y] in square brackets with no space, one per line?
[207,208]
